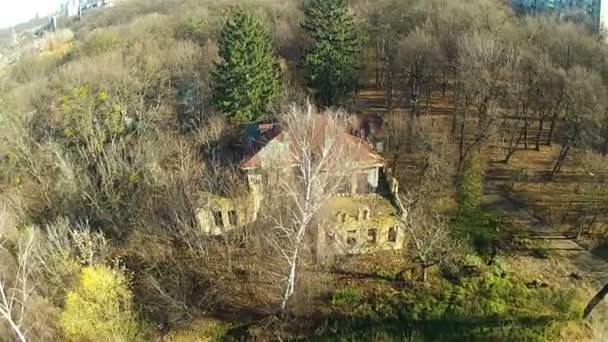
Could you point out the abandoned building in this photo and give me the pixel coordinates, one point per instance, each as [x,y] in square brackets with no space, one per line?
[361,217]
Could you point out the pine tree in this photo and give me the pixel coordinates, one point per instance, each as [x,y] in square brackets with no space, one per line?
[332,59]
[246,81]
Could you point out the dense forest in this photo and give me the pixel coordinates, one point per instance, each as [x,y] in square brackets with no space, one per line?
[115,134]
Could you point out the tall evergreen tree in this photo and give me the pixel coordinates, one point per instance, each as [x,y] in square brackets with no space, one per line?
[332,58]
[246,80]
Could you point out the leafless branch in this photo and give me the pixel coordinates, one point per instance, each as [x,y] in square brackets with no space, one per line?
[16,288]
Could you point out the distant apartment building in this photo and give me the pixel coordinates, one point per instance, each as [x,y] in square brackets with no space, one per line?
[594,12]
[14,40]
[92,4]
[72,8]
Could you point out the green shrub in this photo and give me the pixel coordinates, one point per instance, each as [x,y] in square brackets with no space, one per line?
[472,260]
[349,297]
[489,237]
[470,184]
[481,230]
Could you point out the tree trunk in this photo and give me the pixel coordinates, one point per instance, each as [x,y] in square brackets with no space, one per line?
[295,255]
[415,89]
[410,133]
[424,267]
[551,129]
[560,160]
[538,134]
[595,301]
[377,64]
[395,157]
[389,88]
[461,143]
[513,148]
[428,99]
[291,282]
[526,125]
[454,112]
[17,330]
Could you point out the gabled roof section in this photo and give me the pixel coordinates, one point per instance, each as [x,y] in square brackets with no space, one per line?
[277,151]
[360,150]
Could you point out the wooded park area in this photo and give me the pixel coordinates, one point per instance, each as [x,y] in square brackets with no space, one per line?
[129,211]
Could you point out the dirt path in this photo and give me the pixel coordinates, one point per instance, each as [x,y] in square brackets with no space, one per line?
[567,264]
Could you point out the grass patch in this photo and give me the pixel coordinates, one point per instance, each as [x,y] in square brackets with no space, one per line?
[200,330]
[491,307]
[489,237]
[540,250]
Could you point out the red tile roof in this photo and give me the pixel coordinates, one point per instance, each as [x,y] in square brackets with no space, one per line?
[357,149]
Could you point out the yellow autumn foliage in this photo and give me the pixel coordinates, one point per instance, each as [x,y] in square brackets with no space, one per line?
[100,308]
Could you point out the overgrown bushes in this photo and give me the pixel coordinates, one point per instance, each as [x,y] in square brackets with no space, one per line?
[494,306]
[470,185]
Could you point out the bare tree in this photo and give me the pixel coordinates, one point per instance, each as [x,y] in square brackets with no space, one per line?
[16,285]
[61,249]
[548,95]
[484,65]
[313,171]
[419,52]
[535,92]
[380,31]
[429,229]
[585,108]
[397,128]
[430,235]
[517,103]
[387,23]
